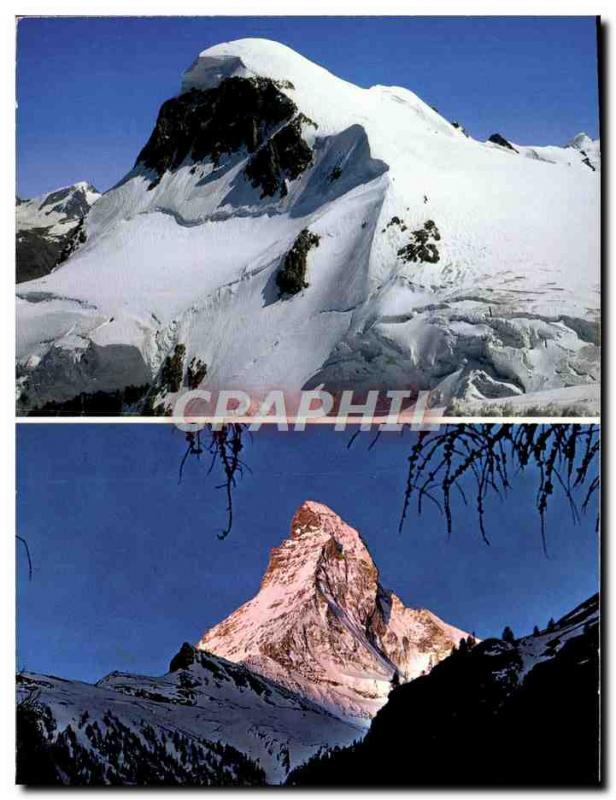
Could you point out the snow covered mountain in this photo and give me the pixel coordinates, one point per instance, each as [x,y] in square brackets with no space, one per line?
[285,228]
[49,227]
[501,713]
[206,722]
[323,626]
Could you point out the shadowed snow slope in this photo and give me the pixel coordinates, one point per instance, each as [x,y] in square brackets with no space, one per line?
[323,626]
[206,721]
[498,296]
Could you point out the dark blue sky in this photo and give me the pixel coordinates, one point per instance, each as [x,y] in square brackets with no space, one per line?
[89,89]
[127,564]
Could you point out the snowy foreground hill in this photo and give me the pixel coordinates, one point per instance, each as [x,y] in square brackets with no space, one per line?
[301,668]
[284,228]
[206,722]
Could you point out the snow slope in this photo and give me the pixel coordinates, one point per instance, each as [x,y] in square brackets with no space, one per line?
[206,703]
[190,254]
[323,625]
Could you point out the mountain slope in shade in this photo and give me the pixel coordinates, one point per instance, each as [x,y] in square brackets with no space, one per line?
[50,227]
[323,625]
[524,712]
[206,722]
[468,268]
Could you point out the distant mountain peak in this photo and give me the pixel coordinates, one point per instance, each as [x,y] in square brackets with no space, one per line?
[580,141]
[322,624]
[50,228]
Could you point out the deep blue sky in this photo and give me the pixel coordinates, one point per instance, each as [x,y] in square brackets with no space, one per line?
[89,89]
[127,564]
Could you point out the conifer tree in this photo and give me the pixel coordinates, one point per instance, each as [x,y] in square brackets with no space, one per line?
[508,635]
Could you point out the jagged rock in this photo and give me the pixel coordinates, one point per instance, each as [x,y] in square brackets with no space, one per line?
[460,128]
[238,113]
[195,373]
[75,238]
[283,157]
[35,254]
[335,173]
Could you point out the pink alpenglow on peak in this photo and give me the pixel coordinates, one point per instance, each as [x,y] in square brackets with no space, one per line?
[323,626]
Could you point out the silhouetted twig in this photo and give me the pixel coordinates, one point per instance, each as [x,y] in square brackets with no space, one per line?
[27,549]
[489,455]
[225,445]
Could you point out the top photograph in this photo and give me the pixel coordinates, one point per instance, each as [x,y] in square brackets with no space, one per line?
[251,214]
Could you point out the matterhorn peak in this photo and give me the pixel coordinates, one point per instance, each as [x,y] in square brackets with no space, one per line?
[313,518]
[322,624]
[310,515]
[318,544]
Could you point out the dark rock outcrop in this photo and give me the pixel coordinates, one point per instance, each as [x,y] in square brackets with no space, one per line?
[422,246]
[183,658]
[292,277]
[36,254]
[497,138]
[284,157]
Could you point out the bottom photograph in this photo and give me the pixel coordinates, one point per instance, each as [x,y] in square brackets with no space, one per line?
[312,608]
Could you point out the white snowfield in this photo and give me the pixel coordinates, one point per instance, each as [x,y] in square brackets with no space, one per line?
[510,308]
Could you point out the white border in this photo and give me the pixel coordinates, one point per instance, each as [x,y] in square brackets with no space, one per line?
[7,319]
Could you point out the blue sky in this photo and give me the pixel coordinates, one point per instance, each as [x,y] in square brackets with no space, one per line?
[89,88]
[127,563]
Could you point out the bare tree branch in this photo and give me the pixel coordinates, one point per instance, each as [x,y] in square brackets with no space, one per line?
[485,455]
[27,549]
